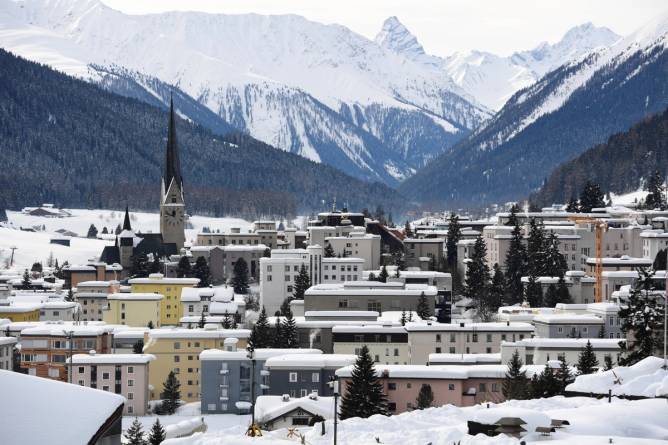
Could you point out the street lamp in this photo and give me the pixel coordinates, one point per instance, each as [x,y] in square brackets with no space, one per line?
[69,335]
[334,384]
[665,324]
[253,430]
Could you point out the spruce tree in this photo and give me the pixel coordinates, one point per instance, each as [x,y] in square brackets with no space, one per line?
[477,276]
[171,393]
[328,252]
[285,307]
[134,435]
[572,206]
[496,291]
[423,310]
[289,332]
[407,230]
[601,332]
[118,229]
[400,262]
[201,271]
[138,347]
[607,363]
[546,384]
[183,268]
[92,231]
[156,265]
[240,278]
[642,320]
[516,263]
[656,198]
[515,382]
[26,282]
[425,397]
[278,340]
[139,265]
[551,296]
[453,236]
[363,396]
[660,260]
[382,277]
[564,375]
[587,361]
[555,262]
[227,321]
[403,317]
[202,320]
[536,249]
[69,296]
[591,197]
[302,283]
[158,434]
[534,292]
[262,331]
[564,295]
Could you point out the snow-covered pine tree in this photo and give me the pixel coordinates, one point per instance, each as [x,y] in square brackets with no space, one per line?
[302,283]
[138,347]
[285,307]
[171,393]
[546,384]
[240,277]
[92,231]
[26,282]
[496,291]
[158,434]
[156,265]
[289,332]
[516,265]
[202,320]
[227,321]
[564,375]
[642,320]
[607,362]
[573,206]
[534,292]
[536,249]
[278,340]
[587,361]
[407,230]
[262,331]
[70,295]
[564,295]
[515,383]
[134,435]
[423,310]
[328,252]
[363,396]
[201,271]
[403,317]
[555,262]
[425,397]
[383,275]
[453,236]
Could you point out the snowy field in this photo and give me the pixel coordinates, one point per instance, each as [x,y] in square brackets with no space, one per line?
[592,422]
[35,246]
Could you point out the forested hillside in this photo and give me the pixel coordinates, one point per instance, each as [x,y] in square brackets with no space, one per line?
[71,143]
[618,165]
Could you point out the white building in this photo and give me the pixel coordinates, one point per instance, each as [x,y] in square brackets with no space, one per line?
[7,353]
[538,351]
[653,241]
[358,245]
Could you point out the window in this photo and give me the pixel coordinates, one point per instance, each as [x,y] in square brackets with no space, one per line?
[409,385]
[452,350]
[315,377]
[211,407]
[483,387]
[287,268]
[489,338]
[268,277]
[452,338]
[392,406]
[131,396]
[131,382]
[81,369]
[177,345]
[268,268]
[105,388]
[396,352]
[302,421]
[105,376]
[495,387]
[438,350]
[438,338]
[293,377]
[451,386]
[177,359]
[131,369]
[81,383]
[359,338]
[303,392]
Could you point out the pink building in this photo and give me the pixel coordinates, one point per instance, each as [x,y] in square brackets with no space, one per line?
[124,374]
[458,385]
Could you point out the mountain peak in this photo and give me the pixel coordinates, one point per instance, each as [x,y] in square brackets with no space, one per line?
[395,37]
[589,34]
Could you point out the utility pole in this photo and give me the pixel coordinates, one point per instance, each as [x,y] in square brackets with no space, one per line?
[11,260]
[70,337]
[334,384]
[253,430]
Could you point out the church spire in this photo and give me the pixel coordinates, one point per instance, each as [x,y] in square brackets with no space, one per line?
[126,221]
[172,164]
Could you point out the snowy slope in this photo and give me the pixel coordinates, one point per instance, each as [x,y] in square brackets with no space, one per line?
[283,79]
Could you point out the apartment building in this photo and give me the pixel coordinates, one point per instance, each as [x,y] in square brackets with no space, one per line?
[7,345]
[178,350]
[319,234]
[124,374]
[44,349]
[299,375]
[134,309]
[461,338]
[170,289]
[358,245]
[74,274]
[92,297]
[387,344]
[424,253]
[20,312]
[539,351]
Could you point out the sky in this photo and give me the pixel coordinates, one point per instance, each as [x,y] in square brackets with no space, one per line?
[442,26]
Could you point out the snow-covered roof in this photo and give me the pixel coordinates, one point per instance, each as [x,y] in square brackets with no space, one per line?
[565,343]
[479,327]
[424,240]
[135,296]
[620,274]
[335,314]
[4,341]
[198,333]
[457,372]
[195,294]
[41,411]
[268,408]
[375,288]
[260,354]
[567,319]
[119,359]
[131,333]
[60,330]
[223,308]
[379,329]
[646,378]
[18,308]
[624,260]
[163,280]
[223,294]
[96,283]
[342,260]
[435,359]
[310,361]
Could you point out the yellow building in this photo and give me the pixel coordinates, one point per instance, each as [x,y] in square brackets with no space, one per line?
[20,312]
[170,310]
[134,309]
[178,349]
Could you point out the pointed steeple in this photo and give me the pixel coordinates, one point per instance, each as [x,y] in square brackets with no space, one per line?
[126,221]
[172,164]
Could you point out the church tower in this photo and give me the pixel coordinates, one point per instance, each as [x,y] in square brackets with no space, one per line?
[172,203]
[125,242]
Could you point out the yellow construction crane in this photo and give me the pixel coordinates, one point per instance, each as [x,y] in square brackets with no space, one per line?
[599,227]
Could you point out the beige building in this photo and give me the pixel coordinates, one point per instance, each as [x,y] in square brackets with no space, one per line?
[387,344]
[124,374]
[170,288]
[425,253]
[133,309]
[357,245]
[92,297]
[461,338]
[178,349]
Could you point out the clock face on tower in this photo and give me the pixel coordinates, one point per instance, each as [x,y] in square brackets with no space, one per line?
[173,217]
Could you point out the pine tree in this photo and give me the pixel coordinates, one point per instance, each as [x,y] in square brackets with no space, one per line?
[453,237]
[364,395]
[656,198]
[92,231]
[240,278]
[564,295]
[587,361]
[591,197]
[660,260]
[70,296]
[279,340]
[149,324]
[138,347]
[403,317]
[425,397]
[564,375]
[572,206]
[546,384]
[26,282]
[302,283]
[328,252]
[201,271]
[516,259]
[555,262]
[134,435]
[285,307]
[382,277]
[515,382]
[423,310]
[227,321]
[158,434]
[534,292]
[477,276]
[183,268]
[496,292]
[400,262]
[607,360]
[118,229]
[139,265]
[156,265]
[105,231]
[642,320]
[536,249]
[551,296]
[202,320]
[601,332]
[171,393]
[262,331]
[372,277]
[407,230]
[289,332]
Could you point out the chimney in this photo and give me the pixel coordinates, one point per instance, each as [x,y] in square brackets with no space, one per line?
[92,352]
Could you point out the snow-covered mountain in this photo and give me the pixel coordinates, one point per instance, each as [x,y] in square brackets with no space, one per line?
[492,79]
[570,109]
[321,91]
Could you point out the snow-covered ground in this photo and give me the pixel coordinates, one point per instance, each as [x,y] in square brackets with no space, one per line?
[592,421]
[35,246]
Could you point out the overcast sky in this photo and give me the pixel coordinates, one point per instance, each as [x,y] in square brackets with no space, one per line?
[442,26]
